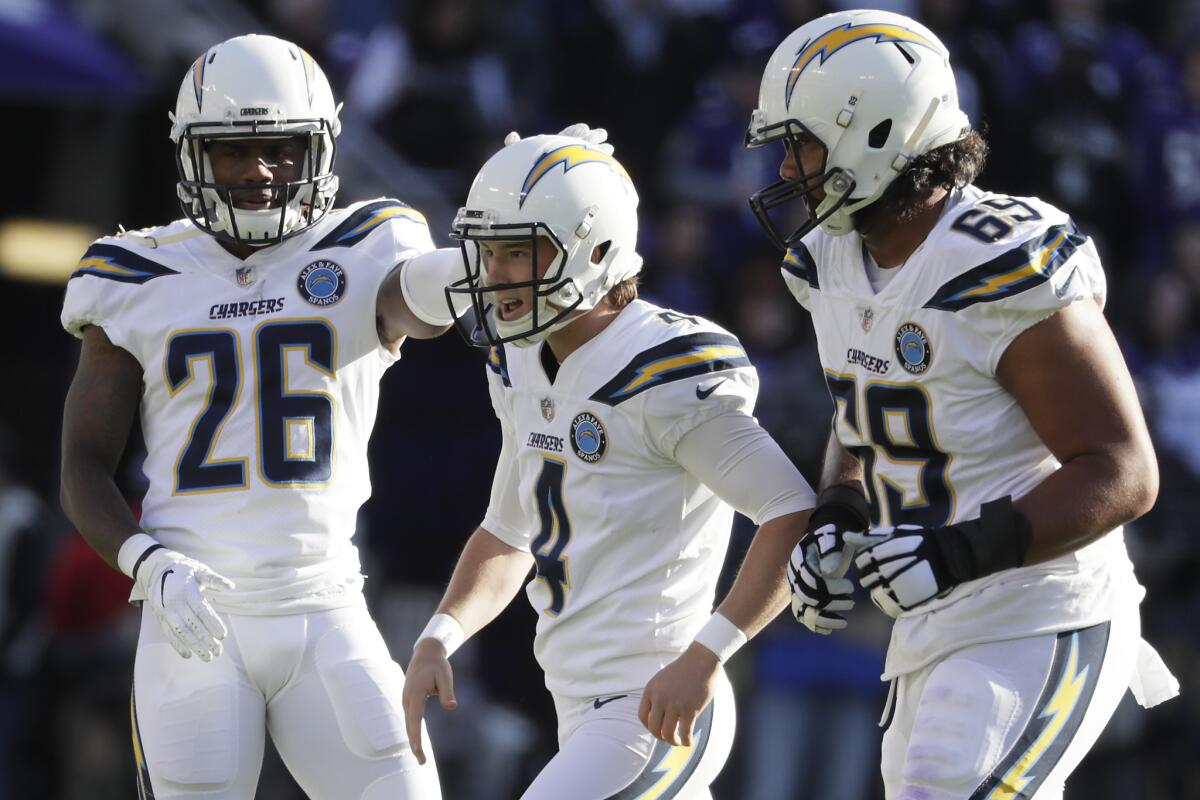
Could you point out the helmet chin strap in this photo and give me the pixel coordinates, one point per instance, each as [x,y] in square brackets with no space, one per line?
[566,297]
[544,305]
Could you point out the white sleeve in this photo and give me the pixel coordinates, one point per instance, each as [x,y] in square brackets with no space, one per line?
[671,411]
[505,519]
[423,281]
[1060,266]
[732,455]
[93,299]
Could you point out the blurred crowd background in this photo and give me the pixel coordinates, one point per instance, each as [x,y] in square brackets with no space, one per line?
[1090,104]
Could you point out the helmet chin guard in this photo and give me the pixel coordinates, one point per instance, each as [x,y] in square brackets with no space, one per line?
[875,90]
[255,87]
[555,191]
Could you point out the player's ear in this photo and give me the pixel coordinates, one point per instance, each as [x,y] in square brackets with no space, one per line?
[599,251]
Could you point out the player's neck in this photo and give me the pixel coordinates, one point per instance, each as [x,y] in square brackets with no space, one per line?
[567,340]
[239,250]
[891,242]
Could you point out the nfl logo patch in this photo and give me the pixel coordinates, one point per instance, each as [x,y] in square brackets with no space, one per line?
[245,276]
[868,317]
[547,409]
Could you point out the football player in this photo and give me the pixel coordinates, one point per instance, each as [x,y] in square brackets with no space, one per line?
[628,442]
[983,406]
[250,338]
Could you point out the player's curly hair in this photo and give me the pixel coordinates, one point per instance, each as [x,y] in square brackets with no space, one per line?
[623,293]
[949,166]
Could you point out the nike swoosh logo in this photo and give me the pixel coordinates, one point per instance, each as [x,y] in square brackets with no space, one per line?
[162,587]
[597,703]
[704,393]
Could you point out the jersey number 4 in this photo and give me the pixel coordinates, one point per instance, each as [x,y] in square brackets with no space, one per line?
[295,428]
[554,535]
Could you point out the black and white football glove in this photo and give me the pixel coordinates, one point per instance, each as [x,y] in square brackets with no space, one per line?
[840,509]
[906,566]
[821,559]
[816,600]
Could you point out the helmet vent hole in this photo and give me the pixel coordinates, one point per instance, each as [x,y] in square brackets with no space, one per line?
[600,251]
[878,136]
[907,55]
[212,58]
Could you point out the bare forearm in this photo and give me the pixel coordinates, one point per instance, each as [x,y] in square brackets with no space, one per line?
[412,299]
[488,575]
[760,590]
[1086,498]
[394,320]
[839,466]
[97,418]
[96,507]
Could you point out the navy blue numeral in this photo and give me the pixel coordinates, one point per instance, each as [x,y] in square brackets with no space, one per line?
[909,407]
[554,535]
[296,427]
[990,228]
[671,317]
[918,448]
[195,471]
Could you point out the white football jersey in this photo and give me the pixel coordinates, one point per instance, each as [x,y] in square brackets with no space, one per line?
[628,544]
[912,373]
[260,388]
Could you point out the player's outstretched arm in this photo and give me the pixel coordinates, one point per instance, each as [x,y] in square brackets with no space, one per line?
[488,575]
[97,417]
[412,298]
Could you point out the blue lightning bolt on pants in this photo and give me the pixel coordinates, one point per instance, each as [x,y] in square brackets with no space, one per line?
[606,753]
[1009,719]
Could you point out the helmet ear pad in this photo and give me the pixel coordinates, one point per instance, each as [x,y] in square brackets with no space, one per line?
[255,87]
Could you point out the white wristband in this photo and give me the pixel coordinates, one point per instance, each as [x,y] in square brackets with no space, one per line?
[721,636]
[129,557]
[446,629]
[423,281]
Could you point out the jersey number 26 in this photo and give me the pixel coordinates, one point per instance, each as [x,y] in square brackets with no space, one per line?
[295,428]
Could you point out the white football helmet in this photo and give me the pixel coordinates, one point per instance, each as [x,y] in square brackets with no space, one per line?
[875,89]
[564,189]
[255,87]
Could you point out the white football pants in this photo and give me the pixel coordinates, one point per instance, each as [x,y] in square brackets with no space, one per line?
[322,684]
[1007,720]
[606,753]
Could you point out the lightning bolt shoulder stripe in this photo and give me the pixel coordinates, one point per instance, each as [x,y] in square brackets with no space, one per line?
[1017,270]
[673,360]
[498,363]
[362,221]
[799,262]
[115,263]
